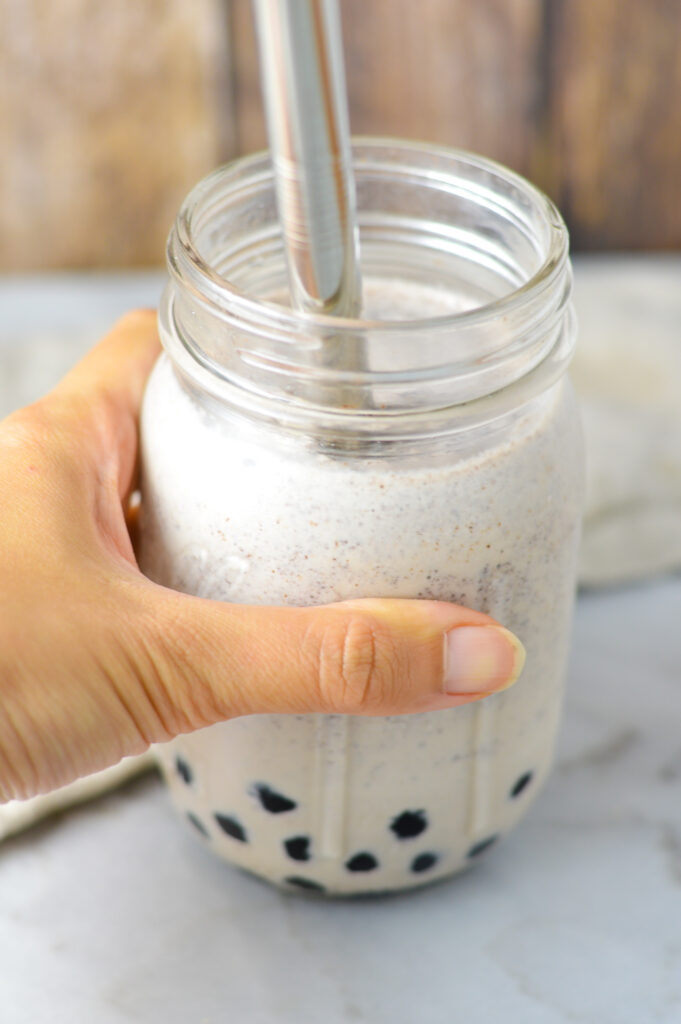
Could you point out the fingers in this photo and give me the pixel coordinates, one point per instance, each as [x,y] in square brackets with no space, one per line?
[72,456]
[119,365]
[369,657]
[105,391]
[103,662]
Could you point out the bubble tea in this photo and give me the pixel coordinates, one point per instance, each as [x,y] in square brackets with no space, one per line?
[454,474]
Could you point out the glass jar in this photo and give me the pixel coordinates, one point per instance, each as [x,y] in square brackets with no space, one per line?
[430,450]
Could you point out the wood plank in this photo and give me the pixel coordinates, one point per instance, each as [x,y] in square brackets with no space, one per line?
[614,121]
[108,114]
[448,71]
[580,96]
[249,119]
[445,71]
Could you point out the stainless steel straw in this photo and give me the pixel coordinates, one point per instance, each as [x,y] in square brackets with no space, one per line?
[301,61]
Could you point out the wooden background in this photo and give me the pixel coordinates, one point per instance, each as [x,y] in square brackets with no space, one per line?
[109,112]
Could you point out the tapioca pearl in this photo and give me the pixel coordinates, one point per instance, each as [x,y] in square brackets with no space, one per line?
[298,847]
[275,803]
[409,824]
[424,862]
[231,827]
[483,845]
[363,861]
[305,883]
[198,824]
[183,770]
[521,784]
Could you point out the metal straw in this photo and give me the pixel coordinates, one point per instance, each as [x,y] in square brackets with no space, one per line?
[301,61]
[301,68]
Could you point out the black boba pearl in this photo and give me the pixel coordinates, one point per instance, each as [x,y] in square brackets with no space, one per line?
[424,862]
[198,824]
[232,827]
[522,783]
[362,862]
[298,847]
[183,770]
[480,847]
[274,802]
[409,824]
[305,883]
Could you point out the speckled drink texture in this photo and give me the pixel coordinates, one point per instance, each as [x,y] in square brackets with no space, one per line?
[233,519]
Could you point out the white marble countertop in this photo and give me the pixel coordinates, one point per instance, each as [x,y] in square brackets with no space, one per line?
[113,913]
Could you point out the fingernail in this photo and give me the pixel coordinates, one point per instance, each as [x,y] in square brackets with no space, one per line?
[481,659]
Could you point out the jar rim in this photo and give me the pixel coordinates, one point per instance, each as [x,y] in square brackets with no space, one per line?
[187,263]
[282,365]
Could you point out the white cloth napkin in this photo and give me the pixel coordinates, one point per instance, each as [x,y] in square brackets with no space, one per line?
[627,373]
[20,814]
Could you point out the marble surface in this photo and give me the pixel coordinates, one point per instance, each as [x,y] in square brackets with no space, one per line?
[114,913]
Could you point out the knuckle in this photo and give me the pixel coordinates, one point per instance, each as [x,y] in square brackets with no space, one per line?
[27,428]
[40,440]
[29,449]
[359,667]
[43,425]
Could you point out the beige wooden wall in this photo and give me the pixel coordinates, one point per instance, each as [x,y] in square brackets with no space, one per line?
[110,111]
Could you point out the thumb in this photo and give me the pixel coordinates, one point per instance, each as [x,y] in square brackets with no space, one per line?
[364,657]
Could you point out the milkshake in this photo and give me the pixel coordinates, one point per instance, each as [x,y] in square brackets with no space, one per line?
[456,475]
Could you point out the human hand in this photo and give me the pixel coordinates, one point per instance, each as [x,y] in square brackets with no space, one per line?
[97,662]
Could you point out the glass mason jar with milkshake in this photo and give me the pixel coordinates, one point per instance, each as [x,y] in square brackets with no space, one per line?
[442,460]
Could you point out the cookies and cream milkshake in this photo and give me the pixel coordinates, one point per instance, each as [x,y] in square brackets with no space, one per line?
[455,475]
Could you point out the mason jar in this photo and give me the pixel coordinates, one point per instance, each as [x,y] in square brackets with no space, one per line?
[430,449]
